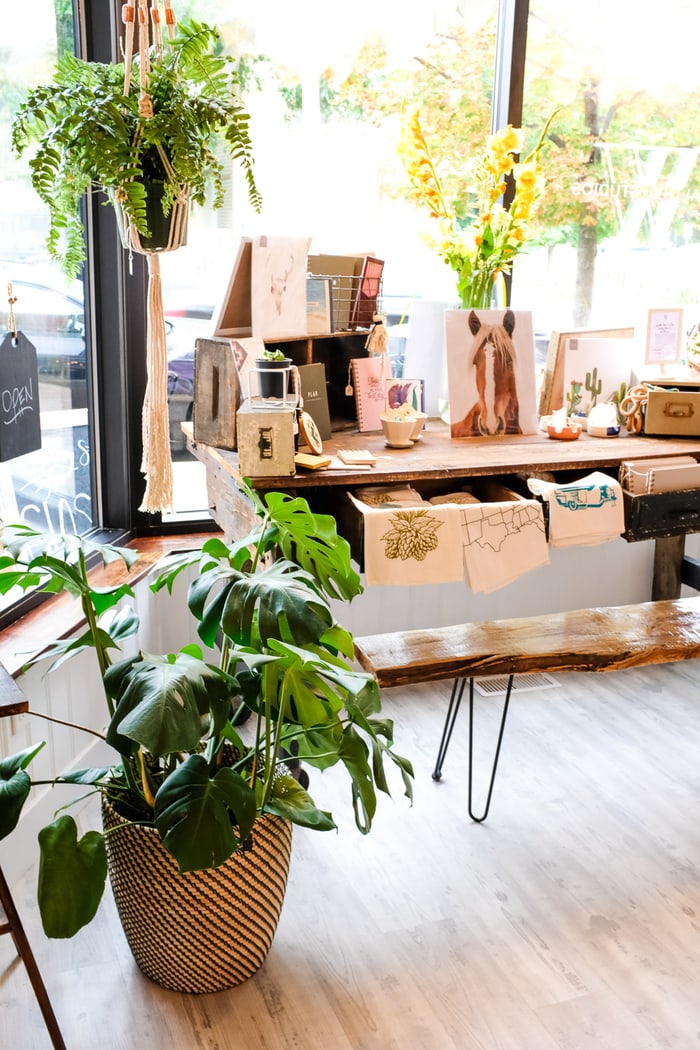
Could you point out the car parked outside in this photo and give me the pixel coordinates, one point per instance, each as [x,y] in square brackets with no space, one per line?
[53,319]
[189,322]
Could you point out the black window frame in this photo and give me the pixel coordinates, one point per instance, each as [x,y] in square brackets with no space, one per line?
[116,300]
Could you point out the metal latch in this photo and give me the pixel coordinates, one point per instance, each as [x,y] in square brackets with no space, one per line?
[679,409]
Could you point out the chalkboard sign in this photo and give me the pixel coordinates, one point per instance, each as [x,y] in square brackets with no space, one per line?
[20,425]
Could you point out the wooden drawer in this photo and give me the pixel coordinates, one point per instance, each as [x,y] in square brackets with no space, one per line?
[661,514]
[350,522]
[674,411]
[647,516]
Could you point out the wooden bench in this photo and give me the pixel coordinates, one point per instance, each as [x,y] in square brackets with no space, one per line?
[599,639]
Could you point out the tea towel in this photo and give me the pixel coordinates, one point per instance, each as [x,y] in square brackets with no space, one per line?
[396,495]
[501,542]
[406,545]
[583,513]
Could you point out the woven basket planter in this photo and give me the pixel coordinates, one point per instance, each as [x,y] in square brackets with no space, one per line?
[202,931]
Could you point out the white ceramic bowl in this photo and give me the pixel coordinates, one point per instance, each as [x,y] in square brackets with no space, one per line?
[398,432]
[419,419]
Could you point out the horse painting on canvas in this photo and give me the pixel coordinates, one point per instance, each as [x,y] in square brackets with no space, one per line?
[492,356]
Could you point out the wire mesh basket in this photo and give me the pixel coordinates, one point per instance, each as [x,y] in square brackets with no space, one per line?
[342,303]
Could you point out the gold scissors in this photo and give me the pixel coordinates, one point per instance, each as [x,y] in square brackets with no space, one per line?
[633,406]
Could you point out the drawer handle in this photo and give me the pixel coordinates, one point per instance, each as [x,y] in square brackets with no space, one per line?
[679,409]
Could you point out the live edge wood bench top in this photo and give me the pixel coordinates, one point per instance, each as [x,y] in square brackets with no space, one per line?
[598,639]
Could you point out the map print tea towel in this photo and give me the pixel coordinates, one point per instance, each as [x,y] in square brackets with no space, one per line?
[501,541]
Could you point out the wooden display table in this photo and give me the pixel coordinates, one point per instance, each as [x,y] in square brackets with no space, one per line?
[436,464]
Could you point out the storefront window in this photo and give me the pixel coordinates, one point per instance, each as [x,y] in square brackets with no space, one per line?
[620,232]
[49,488]
[325,121]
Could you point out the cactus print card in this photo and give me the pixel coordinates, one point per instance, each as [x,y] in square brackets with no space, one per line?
[596,370]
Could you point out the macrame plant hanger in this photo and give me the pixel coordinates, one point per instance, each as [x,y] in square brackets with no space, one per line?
[156,463]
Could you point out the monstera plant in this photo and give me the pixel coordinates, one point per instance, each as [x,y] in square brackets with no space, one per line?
[188,765]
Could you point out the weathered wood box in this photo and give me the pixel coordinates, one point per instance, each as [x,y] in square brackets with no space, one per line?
[217,393]
[265,441]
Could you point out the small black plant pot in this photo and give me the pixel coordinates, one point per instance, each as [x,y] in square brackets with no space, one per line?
[274,384]
[167,232]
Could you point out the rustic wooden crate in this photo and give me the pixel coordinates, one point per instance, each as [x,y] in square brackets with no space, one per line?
[675,410]
[217,393]
[265,441]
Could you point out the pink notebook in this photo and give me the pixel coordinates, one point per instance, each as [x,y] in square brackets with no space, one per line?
[369,375]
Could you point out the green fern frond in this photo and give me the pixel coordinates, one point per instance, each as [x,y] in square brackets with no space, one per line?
[89,135]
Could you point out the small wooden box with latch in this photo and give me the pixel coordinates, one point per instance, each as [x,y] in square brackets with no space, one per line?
[673,408]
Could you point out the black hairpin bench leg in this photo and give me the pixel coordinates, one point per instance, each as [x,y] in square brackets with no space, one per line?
[14,926]
[453,708]
[470,769]
[450,718]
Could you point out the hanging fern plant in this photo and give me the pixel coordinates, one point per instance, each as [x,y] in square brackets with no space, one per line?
[91,135]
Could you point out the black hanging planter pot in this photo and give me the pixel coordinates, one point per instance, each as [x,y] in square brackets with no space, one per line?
[166,232]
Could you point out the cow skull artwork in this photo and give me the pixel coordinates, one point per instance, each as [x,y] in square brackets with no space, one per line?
[278,284]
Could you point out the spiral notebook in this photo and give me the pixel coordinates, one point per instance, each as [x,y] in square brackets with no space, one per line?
[369,376]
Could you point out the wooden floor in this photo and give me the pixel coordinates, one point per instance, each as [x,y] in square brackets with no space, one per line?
[569,921]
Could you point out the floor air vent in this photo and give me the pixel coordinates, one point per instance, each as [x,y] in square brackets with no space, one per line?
[523,683]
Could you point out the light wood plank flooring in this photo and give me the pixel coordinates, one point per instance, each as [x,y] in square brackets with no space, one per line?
[569,921]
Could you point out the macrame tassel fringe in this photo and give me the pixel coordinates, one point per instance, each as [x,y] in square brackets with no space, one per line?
[377,341]
[156,463]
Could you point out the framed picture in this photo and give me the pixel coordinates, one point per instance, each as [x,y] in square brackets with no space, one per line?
[364,305]
[490,373]
[552,389]
[344,271]
[404,392]
[664,330]
[232,316]
[319,305]
[266,293]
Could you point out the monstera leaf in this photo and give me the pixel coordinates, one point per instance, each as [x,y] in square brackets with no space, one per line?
[163,699]
[202,819]
[313,542]
[279,601]
[15,785]
[72,875]
[291,801]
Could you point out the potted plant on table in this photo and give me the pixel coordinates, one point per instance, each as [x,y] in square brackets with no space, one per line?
[193,797]
[277,364]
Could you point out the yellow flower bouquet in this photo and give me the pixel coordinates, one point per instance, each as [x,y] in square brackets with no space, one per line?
[495,235]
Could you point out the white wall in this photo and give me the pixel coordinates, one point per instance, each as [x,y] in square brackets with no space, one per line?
[609,574]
